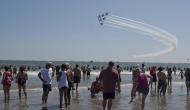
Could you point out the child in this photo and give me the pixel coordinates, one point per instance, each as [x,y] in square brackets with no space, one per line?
[96,87]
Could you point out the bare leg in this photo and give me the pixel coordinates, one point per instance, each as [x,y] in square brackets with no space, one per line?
[119,86]
[155,85]
[46,97]
[8,92]
[43,98]
[60,97]
[69,95]
[104,104]
[187,89]
[143,101]
[19,92]
[76,86]
[5,93]
[109,104]
[65,96]
[24,90]
[133,93]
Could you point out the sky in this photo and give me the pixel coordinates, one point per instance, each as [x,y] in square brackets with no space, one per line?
[69,30]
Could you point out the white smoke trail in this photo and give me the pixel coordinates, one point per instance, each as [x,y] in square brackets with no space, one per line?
[155,32]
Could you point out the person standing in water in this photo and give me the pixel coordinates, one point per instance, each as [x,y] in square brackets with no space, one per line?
[162,83]
[135,76]
[143,86]
[77,75]
[109,78]
[46,75]
[181,73]
[62,85]
[187,79]
[88,70]
[153,74]
[21,81]
[169,77]
[119,81]
[70,79]
[143,68]
[6,82]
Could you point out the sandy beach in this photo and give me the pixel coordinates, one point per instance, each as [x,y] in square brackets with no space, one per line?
[175,99]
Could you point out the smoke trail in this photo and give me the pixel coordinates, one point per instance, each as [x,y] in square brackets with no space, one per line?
[155,32]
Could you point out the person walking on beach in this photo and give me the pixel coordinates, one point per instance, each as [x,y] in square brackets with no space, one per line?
[187,79]
[57,69]
[14,71]
[153,74]
[109,78]
[62,85]
[83,68]
[88,70]
[70,79]
[119,74]
[162,83]
[0,74]
[181,73]
[135,76]
[46,75]
[169,77]
[143,86]
[6,82]
[77,75]
[21,81]
[143,68]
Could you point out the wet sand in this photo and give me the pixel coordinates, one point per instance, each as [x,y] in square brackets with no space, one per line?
[175,99]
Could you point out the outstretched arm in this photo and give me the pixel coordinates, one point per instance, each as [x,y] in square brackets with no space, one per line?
[150,79]
[40,77]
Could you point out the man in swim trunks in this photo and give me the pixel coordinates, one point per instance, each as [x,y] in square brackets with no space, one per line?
[187,79]
[46,76]
[77,75]
[162,83]
[109,78]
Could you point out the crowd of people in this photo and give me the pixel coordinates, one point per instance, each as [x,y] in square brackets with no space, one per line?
[108,82]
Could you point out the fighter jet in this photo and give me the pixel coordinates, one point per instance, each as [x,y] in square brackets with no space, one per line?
[102,18]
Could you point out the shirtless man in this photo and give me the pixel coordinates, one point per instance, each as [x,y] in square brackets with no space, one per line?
[109,78]
[162,83]
[77,75]
[187,79]
[119,81]
[70,81]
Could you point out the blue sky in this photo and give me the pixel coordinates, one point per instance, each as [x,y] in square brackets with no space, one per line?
[69,30]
